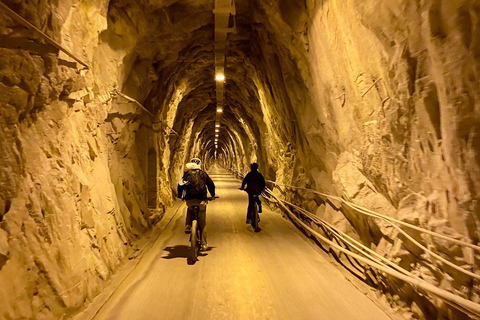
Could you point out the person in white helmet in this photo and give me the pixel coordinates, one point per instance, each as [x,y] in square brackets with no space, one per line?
[193,188]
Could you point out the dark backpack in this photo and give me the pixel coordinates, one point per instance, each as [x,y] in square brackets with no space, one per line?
[196,182]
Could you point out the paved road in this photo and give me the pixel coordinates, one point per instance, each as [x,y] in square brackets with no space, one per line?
[274,274]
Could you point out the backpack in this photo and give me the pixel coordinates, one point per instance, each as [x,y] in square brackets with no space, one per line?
[196,182]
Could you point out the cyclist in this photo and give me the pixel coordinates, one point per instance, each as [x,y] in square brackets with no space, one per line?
[255,185]
[193,189]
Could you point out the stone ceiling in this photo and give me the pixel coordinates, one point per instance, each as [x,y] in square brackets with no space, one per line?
[170,61]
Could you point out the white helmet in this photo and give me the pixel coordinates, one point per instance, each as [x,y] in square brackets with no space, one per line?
[197,161]
[191,165]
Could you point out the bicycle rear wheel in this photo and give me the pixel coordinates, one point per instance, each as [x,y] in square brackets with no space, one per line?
[193,241]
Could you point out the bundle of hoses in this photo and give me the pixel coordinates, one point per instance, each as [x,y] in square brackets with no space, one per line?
[373,259]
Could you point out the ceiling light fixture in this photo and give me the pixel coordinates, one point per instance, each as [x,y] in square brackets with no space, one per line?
[220,77]
[217,125]
[217,130]
[219,110]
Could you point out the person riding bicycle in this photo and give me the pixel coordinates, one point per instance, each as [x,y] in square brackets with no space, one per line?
[193,189]
[255,185]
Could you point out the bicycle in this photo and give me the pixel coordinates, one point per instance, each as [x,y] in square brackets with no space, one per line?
[254,217]
[195,236]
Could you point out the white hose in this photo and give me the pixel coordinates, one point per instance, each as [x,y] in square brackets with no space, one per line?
[417,282]
[452,299]
[385,217]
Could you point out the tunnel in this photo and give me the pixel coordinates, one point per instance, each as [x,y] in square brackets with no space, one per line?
[363,116]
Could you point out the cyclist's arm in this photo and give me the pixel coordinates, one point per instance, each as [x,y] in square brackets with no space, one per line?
[244,182]
[180,191]
[262,180]
[210,185]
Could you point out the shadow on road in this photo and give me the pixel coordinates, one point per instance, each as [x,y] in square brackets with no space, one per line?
[177,252]
[183,251]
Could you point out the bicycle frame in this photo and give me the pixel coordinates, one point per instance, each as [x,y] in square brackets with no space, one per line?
[254,217]
[195,240]
[195,236]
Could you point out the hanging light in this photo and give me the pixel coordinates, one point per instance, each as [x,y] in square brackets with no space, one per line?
[219,110]
[220,77]
[217,130]
[217,125]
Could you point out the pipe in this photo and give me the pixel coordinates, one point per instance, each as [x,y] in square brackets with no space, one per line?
[144,109]
[389,219]
[429,252]
[416,282]
[354,243]
[434,255]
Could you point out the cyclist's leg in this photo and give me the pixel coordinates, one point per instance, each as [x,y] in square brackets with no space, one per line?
[189,217]
[259,202]
[251,204]
[202,222]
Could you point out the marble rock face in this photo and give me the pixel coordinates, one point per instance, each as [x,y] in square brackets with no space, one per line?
[371,100]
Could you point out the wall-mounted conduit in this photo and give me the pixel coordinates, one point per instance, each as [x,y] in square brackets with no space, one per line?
[130,99]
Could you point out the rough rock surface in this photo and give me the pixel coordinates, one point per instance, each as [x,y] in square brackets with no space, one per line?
[371,100]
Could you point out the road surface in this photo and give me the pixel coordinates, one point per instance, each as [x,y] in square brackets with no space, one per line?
[273,274]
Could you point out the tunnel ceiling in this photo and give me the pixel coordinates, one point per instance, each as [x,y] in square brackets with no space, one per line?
[169,67]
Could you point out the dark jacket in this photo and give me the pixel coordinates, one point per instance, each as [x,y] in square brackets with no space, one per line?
[255,182]
[202,196]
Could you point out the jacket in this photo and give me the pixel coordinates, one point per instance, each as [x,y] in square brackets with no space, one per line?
[255,182]
[202,196]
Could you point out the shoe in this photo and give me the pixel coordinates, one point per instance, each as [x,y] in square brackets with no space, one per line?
[249,221]
[188,229]
[259,209]
[204,247]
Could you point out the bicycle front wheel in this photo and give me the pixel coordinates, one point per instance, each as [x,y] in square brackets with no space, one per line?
[193,241]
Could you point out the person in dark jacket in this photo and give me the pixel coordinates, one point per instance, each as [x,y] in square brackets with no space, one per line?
[255,185]
[193,189]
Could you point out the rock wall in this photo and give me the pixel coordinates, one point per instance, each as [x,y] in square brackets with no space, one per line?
[391,121]
[74,162]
